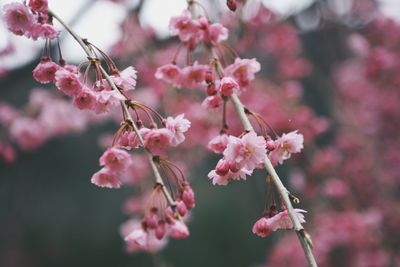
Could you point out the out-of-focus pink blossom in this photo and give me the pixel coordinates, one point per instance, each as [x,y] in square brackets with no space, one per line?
[336,188]
[106,177]
[28,133]
[7,113]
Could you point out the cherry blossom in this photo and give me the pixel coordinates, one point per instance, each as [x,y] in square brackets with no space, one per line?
[18,18]
[38,5]
[106,178]
[68,82]
[286,145]
[157,141]
[243,70]
[115,159]
[178,126]
[247,151]
[45,71]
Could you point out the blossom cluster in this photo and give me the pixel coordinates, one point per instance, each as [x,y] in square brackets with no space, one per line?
[31,21]
[101,91]
[99,97]
[116,159]
[244,153]
[193,31]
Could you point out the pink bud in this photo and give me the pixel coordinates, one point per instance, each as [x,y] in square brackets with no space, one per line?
[211,90]
[188,197]
[151,221]
[270,145]
[234,167]
[209,77]
[231,4]
[222,167]
[181,208]
[160,230]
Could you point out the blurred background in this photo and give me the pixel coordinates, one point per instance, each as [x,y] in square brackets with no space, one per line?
[330,68]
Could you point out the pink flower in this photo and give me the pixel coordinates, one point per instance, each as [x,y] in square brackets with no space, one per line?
[212,102]
[18,19]
[45,71]
[228,86]
[265,226]
[140,239]
[106,99]
[115,159]
[38,5]
[217,33]
[7,153]
[218,143]
[285,146]
[262,227]
[283,221]
[8,114]
[178,230]
[68,82]
[28,133]
[43,30]
[177,126]
[106,178]
[243,70]
[184,26]
[126,79]
[130,140]
[157,141]
[169,73]
[193,76]
[248,151]
[85,99]
[225,179]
